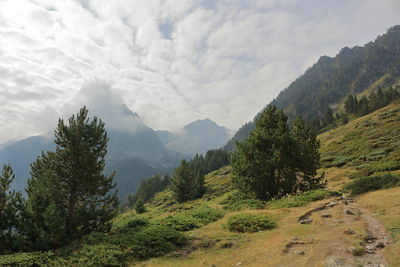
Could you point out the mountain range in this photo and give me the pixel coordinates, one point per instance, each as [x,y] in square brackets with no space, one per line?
[134,153]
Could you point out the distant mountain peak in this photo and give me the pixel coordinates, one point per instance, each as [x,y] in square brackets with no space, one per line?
[201,124]
[128,112]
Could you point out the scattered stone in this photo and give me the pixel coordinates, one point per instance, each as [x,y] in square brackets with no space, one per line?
[369,248]
[298,252]
[239,263]
[357,251]
[306,221]
[333,262]
[380,245]
[349,231]
[331,204]
[370,238]
[350,212]
[326,215]
[295,238]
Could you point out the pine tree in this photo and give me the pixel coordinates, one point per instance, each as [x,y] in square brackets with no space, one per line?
[139,206]
[349,105]
[182,182]
[308,157]
[68,196]
[276,160]
[262,164]
[11,207]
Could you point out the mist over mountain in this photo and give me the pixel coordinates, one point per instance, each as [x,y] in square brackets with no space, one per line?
[196,137]
[134,151]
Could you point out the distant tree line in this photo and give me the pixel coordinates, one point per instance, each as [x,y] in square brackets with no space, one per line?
[187,181]
[355,106]
[375,101]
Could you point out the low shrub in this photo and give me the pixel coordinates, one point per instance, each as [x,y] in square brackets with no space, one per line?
[339,161]
[180,222]
[300,200]
[390,165]
[366,184]
[28,259]
[239,201]
[134,224]
[155,241]
[207,215]
[97,255]
[250,223]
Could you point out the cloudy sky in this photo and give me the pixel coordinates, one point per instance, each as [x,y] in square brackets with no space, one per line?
[172,61]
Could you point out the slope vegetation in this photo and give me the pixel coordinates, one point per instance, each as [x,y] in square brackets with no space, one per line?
[351,231]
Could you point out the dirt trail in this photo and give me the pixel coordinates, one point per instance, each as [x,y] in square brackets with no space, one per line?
[370,239]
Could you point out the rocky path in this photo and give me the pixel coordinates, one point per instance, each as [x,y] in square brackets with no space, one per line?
[369,238]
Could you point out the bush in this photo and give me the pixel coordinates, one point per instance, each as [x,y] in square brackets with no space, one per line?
[300,200]
[207,215]
[366,184]
[155,241]
[239,201]
[135,224]
[247,222]
[107,255]
[180,222]
[32,259]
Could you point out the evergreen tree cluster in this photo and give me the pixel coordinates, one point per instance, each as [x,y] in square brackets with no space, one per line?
[355,106]
[276,159]
[375,101]
[187,183]
[11,207]
[148,188]
[67,194]
[188,179]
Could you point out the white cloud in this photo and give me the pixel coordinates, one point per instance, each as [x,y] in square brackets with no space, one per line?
[171,61]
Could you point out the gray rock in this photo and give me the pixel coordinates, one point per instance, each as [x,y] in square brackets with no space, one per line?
[332,204]
[306,221]
[333,262]
[349,231]
[298,252]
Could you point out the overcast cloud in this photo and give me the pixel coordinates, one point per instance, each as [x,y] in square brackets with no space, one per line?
[172,61]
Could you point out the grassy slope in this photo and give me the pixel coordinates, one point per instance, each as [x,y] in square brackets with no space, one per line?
[365,146]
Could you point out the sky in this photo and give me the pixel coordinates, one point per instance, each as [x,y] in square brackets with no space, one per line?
[171,61]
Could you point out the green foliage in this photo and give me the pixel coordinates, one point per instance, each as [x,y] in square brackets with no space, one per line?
[68,196]
[239,201]
[366,184]
[186,184]
[250,223]
[32,259]
[139,206]
[100,255]
[11,208]
[133,224]
[300,200]
[181,222]
[276,160]
[155,241]
[206,215]
[148,188]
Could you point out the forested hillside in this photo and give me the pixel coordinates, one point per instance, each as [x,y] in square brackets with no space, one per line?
[328,83]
